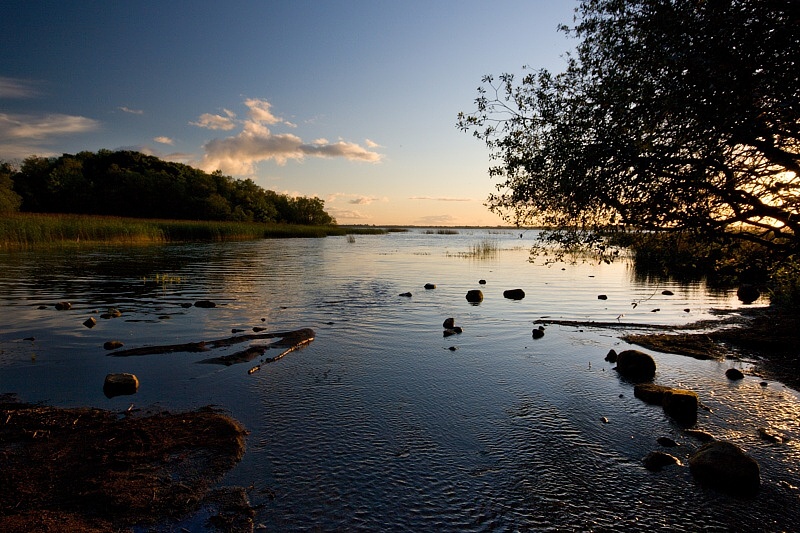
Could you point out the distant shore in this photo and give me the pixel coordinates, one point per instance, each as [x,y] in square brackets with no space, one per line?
[27,230]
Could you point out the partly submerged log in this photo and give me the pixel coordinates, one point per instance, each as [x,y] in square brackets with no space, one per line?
[287,338]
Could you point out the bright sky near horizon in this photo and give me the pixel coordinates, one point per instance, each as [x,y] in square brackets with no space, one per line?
[353,101]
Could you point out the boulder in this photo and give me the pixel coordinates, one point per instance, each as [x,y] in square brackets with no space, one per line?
[748,294]
[120,384]
[602,297]
[655,461]
[448,332]
[514,294]
[449,323]
[650,393]
[405,294]
[205,304]
[90,322]
[611,356]
[681,405]
[636,365]
[482,281]
[112,345]
[474,296]
[724,466]
[734,374]
[667,292]
[63,306]
[538,333]
[430,286]
[667,442]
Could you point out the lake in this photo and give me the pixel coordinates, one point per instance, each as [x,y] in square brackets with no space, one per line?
[383,423]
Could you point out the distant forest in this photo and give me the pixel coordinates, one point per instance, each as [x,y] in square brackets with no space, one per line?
[131,184]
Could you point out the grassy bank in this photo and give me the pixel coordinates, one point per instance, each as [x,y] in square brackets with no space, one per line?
[25,230]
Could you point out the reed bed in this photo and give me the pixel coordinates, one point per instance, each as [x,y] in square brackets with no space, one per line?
[24,230]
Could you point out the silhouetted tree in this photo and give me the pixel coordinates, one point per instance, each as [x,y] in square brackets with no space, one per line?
[9,200]
[671,115]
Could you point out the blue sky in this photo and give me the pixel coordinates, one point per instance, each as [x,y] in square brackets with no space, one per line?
[352,101]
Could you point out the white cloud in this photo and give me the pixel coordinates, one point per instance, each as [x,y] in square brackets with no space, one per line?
[344,214]
[216,122]
[131,111]
[238,154]
[440,199]
[40,128]
[16,88]
[164,140]
[372,144]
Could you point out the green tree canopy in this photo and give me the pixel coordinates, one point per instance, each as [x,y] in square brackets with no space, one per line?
[127,183]
[9,200]
[670,115]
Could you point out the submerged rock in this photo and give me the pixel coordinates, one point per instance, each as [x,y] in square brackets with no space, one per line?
[655,461]
[514,294]
[112,345]
[724,466]
[538,333]
[474,296]
[666,442]
[650,393]
[430,286]
[699,434]
[63,306]
[482,281]
[120,384]
[205,304]
[636,365]
[405,294]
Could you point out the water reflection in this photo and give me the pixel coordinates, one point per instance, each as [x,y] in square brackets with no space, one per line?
[378,425]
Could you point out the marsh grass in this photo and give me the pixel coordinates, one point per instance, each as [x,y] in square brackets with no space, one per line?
[441,232]
[485,249]
[24,230]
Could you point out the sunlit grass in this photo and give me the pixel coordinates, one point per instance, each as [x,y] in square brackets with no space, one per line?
[485,249]
[24,230]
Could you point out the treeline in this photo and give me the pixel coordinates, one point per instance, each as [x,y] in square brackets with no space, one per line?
[131,184]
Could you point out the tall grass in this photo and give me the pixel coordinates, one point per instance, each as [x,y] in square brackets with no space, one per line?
[23,230]
[485,249]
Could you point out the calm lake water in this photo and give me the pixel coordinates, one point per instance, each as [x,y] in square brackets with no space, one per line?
[379,424]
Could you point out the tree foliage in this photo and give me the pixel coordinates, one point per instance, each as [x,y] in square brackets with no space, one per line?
[132,184]
[9,200]
[670,115]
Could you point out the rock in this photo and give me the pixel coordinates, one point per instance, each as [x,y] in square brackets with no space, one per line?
[458,329]
[448,333]
[666,442]
[602,297]
[453,348]
[724,466]
[650,393]
[90,322]
[474,296]
[186,305]
[748,294]
[734,374]
[636,365]
[604,419]
[772,436]
[538,333]
[205,304]
[41,307]
[667,292]
[656,310]
[699,434]
[449,323]
[113,345]
[63,306]
[112,313]
[611,356]
[655,461]
[237,330]
[405,294]
[514,294]
[482,281]
[681,405]
[258,329]
[430,286]
[120,384]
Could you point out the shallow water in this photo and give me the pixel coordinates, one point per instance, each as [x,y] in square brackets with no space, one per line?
[378,425]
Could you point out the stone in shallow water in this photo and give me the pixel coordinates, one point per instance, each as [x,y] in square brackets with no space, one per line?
[724,466]
[120,384]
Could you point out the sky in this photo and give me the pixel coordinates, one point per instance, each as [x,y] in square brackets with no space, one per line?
[354,102]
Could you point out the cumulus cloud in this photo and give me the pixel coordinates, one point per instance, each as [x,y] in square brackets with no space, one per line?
[164,140]
[345,214]
[16,88]
[440,198]
[372,144]
[238,154]
[131,111]
[216,122]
